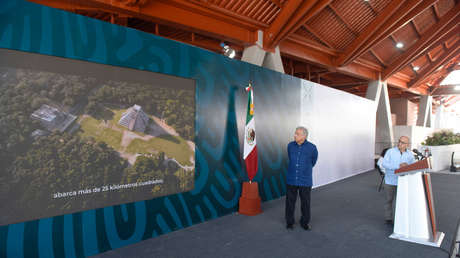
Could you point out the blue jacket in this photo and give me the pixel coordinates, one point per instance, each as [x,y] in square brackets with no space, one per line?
[302,158]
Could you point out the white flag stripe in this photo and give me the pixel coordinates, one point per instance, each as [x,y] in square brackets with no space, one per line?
[247,147]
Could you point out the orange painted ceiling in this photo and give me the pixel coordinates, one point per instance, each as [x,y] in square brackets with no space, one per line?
[339,43]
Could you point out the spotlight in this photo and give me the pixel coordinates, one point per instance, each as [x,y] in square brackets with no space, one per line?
[416,68]
[457,87]
[227,50]
[399,45]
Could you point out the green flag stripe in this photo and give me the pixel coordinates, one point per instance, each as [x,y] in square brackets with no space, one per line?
[248,114]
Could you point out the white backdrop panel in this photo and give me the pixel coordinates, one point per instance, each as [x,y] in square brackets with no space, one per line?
[342,126]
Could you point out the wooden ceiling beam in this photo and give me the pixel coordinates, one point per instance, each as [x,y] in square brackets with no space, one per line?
[416,28]
[426,52]
[286,21]
[430,38]
[449,90]
[418,9]
[382,63]
[380,26]
[312,44]
[316,34]
[306,11]
[448,36]
[66,5]
[359,70]
[179,13]
[314,10]
[436,12]
[347,84]
[283,17]
[276,2]
[214,10]
[449,54]
[452,100]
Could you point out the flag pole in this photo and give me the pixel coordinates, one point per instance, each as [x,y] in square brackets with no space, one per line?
[249,202]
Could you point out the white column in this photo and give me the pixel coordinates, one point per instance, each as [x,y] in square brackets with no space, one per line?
[374,89]
[424,111]
[253,55]
[273,61]
[439,121]
[256,55]
[378,91]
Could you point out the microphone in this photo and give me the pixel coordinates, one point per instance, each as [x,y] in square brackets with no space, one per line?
[419,154]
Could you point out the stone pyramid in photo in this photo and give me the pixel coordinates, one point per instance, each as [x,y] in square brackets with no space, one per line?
[134,119]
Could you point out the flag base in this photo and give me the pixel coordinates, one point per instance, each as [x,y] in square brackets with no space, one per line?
[250,200]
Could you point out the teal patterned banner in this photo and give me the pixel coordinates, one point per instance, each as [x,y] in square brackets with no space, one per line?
[220,111]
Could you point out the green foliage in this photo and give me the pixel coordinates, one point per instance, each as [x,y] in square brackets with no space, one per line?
[24,91]
[445,137]
[91,127]
[173,146]
[61,163]
[146,168]
[175,179]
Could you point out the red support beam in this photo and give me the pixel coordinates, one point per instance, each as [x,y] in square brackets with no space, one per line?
[312,44]
[181,14]
[418,9]
[213,10]
[452,100]
[276,2]
[449,90]
[404,15]
[305,52]
[455,32]
[306,12]
[283,17]
[360,70]
[368,34]
[431,37]
[449,54]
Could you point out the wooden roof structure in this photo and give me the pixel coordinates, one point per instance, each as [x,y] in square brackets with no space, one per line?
[342,44]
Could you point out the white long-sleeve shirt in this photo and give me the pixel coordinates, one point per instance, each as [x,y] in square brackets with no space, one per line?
[393,158]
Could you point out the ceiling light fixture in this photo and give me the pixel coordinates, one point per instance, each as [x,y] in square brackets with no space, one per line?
[399,45]
[416,68]
[228,51]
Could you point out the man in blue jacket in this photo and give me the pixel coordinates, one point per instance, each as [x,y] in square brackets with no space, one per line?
[394,158]
[302,156]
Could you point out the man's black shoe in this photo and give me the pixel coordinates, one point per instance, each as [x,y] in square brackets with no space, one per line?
[290,226]
[389,222]
[306,227]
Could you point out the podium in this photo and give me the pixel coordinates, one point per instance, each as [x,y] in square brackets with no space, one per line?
[415,219]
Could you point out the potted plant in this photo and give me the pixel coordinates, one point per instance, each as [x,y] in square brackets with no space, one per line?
[440,145]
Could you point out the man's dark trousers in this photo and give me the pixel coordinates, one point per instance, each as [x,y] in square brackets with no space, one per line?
[291,197]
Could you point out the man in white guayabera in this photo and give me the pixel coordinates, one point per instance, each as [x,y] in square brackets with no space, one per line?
[394,158]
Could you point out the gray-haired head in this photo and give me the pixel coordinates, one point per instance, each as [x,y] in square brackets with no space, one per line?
[303,129]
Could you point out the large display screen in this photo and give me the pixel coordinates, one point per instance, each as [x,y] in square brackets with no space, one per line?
[76,135]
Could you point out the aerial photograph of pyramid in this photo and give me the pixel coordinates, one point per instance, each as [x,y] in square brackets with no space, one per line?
[134,119]
[66,134]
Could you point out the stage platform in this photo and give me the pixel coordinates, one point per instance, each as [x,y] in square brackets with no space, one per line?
[347,221]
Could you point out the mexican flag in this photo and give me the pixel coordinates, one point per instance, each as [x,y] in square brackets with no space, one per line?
[250,148]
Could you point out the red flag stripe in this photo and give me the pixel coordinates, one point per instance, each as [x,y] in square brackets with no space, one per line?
[251,163]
